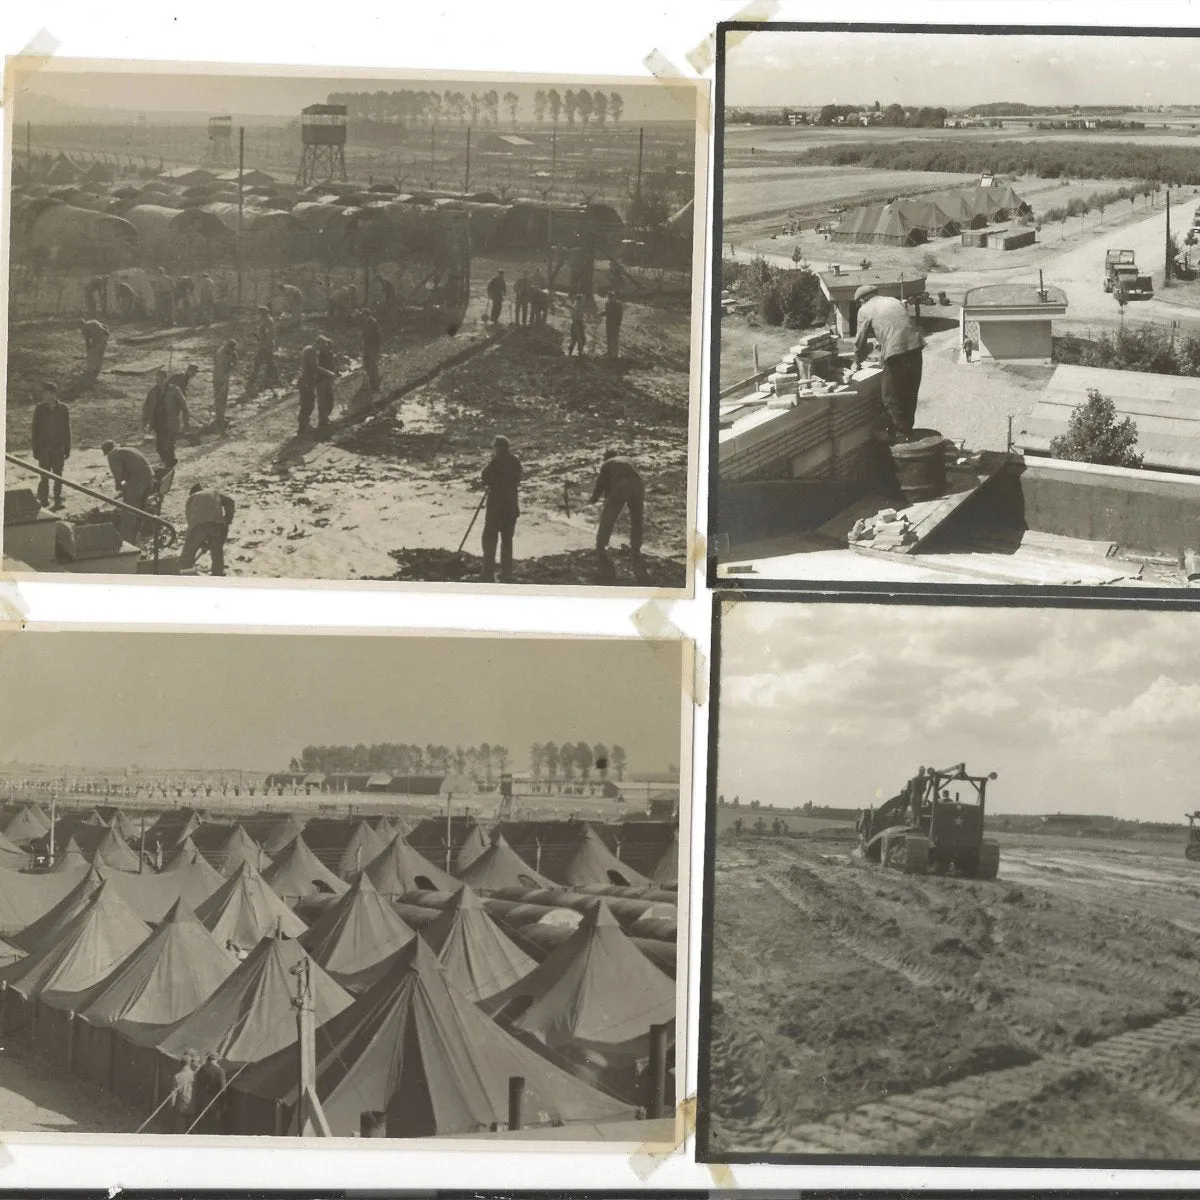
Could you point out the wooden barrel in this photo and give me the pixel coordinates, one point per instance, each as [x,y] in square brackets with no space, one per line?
[921,465]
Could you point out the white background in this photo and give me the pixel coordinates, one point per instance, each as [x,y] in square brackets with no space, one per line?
[608,37]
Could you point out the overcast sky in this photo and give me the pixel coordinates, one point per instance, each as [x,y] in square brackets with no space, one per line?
[251,702]
[256,94]
[1076,710]
[958,70]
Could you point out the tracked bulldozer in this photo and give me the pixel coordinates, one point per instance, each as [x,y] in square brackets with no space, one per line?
[1192,850]
[934,824]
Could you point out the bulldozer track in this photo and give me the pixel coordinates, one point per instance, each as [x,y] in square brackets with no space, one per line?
[898,1123]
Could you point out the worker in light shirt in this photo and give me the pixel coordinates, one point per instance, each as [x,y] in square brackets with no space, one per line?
[887,321]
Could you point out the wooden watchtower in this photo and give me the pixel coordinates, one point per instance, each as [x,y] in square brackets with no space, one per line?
[220,142]
[323,143]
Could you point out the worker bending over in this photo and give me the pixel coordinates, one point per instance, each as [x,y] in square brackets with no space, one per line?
[620,486]
[209,514]
[502,478]
[311,372]
[51,442]
[900,344]
[134,479]
[95,342]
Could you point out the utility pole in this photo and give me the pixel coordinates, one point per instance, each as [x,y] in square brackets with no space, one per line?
[310,1118]
[637,194]
[550,217]
[241,173]
[432,128]
[467,176]
[53,822]
[449,798]
[1167,255]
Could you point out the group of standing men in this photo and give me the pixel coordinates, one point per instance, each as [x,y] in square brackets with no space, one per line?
[532,304]
[176,299]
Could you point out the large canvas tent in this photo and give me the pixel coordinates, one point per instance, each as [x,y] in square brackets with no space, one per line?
[418,1056]
[298,874]
[858,225]
[596,991]
[894,228]
[244,910]
[479,958]
[594,862]
[401,869]
[51,921]
[500,866]
[26,898]
[364,846]
[666,874]
[27,824]
[12,857]
[356,934]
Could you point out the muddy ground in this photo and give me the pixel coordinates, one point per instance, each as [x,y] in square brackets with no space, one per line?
[1052,1012]
[392,492]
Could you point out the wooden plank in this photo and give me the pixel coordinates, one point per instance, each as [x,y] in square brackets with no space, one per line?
[926,516]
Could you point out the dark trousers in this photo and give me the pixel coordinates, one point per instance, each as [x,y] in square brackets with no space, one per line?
[371,369]
[498,526]
[211,537]
[632,496]
[50,462]
[164,443]
[497,305]
[264,361]
[308,401]
[578,338]
[613,333]
[901,382]
[324,401]
[522,312]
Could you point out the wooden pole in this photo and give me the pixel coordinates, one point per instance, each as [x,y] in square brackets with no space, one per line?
[657,1075]
[142,847]
[449,798]
[637,195]
[516,1098]
[467,173]
[241,172]
[1167,254]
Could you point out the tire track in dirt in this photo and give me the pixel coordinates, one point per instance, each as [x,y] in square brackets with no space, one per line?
[898,1123]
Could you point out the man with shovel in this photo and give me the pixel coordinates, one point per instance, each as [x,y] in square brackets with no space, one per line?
[620,485]
[502,478]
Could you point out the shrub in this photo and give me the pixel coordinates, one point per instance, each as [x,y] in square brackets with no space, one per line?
[783,297]
[1095,435]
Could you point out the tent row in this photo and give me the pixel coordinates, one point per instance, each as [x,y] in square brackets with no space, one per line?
[420,1032]
[942,214]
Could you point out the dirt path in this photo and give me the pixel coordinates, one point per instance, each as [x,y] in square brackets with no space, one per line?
[858,1011]
[36,1097]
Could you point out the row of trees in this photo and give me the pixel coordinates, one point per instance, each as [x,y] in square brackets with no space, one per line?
[1130,348]
[576,760]
[484,761]
[1176,165]
[407,106]
[1080,206]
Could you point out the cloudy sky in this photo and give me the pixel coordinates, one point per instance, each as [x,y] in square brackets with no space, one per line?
[803,68]
[1076,710]
[250,702]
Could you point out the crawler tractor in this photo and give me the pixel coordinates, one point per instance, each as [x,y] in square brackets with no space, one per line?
[1192,850]
[934,824]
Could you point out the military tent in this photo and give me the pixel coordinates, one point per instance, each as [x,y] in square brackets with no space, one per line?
[896,229]
[26,898]
[596,991]
[667,871]
[112,852]
[12,857]
[166,978]
[26,825]
[187,176]
[500,866]
[62,170]
[400,869]
[187,854]
[159,221]
[46,987]
[228,847]
[414,1050]
[279,835]
[931,217]
[593,862]
[959,209]
[56,917]
[250,1015]
[172,826]
[244,910]
[479,958]
[859,225]
[474,844]
[298,874]
[355,934]
[66,232]
[71,858]
[116,819]
[364,846]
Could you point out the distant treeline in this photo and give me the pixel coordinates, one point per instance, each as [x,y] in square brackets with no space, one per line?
[1014,108]
[1121,160]
[894,115]
[400,106]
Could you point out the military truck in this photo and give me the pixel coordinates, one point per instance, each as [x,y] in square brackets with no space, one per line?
[935,823]
[1121,276]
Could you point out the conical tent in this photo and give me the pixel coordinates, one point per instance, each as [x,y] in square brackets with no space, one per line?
[244,909]
[667,871]
[27,825]
[251,1014]
[596,991]
[113,852]
[416,1050]
[401,869]
[281,835]
[364,846]
[298,874]
[479,958]
[71,858]
[173,826]
[238,849]
[500,866]
[187,857]
[357,933]
[11,855]
[27,898]
[471,847]
[52,922]
[593,862]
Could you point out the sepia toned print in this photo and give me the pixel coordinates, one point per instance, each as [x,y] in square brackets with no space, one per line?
[953,886]
[373,908]
[269,324]
[957,307]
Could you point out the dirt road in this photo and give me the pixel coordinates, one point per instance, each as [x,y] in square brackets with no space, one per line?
[1053,1012]
[37,1097]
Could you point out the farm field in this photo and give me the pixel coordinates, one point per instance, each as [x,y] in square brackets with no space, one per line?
[1048,1013]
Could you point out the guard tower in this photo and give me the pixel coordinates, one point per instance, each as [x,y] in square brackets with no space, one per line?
[220,141]
[323,143]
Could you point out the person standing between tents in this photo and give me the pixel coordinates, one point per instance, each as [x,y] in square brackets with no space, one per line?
[264,359]
[95,342]
[209,514]
[497,289]
[210,1095]
[164,294]
[51,442]
[502,478]
[223,363]
[578,335]
[372,343]
[206,300]
[614,313]
[325,377]
[183,1094]
[95,296]
[127,300]
[522,290]
[185,291]
[164,414]
[620,485]
[900,343]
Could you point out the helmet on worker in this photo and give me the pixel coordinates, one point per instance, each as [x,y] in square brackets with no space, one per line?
[866,291]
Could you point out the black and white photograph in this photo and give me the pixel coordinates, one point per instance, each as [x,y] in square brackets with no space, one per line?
[272,324]
[954,886]
[956,308]
[317,901]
